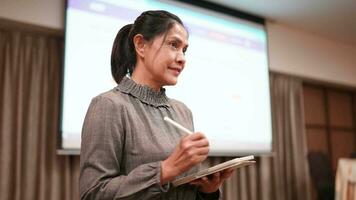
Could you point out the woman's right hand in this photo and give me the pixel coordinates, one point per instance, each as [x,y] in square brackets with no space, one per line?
[191,150]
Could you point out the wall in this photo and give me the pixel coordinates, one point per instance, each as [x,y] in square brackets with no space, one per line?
[291,51]
[307,55]
[47,13]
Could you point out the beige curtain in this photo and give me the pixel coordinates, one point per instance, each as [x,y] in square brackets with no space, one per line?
[30,66]
[282,175]
[291,166]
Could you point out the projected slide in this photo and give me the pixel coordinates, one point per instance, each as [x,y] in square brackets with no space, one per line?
[225,81]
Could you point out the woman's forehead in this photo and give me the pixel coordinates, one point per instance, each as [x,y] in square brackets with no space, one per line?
[178,32]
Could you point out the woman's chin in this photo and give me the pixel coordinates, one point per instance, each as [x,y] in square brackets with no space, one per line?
[172,81]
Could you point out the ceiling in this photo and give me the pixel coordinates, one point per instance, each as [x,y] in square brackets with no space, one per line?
[335,20]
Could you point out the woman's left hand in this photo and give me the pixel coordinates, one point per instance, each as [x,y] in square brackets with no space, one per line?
[212,184]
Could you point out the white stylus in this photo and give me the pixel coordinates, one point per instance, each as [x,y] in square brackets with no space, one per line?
[178,126]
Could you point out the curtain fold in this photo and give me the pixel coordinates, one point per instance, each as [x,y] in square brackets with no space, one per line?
[29,95]
[290,162]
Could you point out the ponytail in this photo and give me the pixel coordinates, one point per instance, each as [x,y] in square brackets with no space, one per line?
[123,56]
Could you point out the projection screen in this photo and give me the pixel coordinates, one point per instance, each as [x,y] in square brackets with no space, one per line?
[225,81]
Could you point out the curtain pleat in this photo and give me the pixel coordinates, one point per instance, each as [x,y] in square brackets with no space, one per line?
[290,160]
[30,66]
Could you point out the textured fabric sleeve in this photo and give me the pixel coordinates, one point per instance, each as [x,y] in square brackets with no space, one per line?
[102,156]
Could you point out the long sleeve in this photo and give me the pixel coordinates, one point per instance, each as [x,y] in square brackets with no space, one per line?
[102,154]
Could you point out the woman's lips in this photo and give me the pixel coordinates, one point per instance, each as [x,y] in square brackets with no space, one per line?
[175,70]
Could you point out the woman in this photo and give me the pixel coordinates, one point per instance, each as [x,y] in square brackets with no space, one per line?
[128,151]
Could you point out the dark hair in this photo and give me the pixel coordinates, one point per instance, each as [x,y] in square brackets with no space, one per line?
[149,24]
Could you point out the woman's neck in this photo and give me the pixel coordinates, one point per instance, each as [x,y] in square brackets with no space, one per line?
[143,77]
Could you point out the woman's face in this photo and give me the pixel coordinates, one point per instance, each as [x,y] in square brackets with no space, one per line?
[164,57]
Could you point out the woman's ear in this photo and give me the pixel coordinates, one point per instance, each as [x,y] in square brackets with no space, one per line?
[140,44]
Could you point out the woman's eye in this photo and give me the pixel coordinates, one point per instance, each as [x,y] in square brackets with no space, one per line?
[184,50]
[174,45]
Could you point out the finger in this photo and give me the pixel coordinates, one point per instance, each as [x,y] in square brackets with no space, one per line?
[227,173]
[191,159]
[197,136]
[204,180]
[216,178]
[202,151]
[211,183]
[193,150]
[204,142]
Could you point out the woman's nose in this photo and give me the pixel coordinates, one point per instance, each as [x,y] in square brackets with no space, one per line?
[181,58]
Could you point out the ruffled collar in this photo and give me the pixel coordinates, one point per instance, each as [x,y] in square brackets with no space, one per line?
[143,93]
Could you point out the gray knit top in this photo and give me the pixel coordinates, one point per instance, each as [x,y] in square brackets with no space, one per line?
[124,140]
